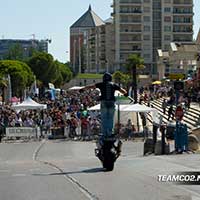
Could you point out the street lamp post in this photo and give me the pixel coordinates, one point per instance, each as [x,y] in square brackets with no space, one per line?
[134,83]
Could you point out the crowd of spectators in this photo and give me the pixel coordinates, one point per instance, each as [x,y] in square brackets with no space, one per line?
[68,110]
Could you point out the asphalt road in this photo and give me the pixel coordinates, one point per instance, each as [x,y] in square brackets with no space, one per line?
[60,170]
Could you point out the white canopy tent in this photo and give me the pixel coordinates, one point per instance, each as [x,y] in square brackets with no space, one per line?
[29,104]
[75,88]
[129,108]
[138,108]
[129,111]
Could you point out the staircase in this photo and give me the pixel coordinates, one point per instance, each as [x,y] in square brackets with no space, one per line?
[191,116]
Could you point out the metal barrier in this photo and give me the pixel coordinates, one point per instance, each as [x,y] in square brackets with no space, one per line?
[21,132]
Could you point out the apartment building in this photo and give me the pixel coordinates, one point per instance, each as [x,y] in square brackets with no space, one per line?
[198,38]
[26,46]
[144,26]
[87,43]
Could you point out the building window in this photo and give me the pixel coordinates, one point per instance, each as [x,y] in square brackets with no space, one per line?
[146,9]
[146,47]
[166,47]
[167,28]
[147,56]
[167,37]
[167,19]
[146,1]
[167,9]
[146,28]
[146,37]
[167,1]
[146,18]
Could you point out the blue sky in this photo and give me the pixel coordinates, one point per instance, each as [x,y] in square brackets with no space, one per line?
[52,19]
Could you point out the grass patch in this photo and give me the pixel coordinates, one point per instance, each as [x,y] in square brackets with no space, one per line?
[89,76]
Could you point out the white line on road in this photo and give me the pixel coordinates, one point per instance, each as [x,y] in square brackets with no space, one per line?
[18,175]
[69,178]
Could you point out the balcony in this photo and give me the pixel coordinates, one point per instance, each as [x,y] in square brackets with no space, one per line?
[130,32]
[130,50]
[130,41]
[182,4]
[130,12]
[182,32]
[183,13]
[131,2]
[130,22]
[182,22]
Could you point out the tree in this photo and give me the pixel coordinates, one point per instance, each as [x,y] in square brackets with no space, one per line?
[118,77]
[64,74]
[49,71]
[43,66]
[134,62]
[20,73]
[122,78]
[3,85]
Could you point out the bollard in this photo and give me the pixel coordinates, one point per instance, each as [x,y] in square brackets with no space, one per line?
[177,137]
[155,128]
[186,137]
[162,129]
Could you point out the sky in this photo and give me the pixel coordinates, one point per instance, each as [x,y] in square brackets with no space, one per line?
[20,19]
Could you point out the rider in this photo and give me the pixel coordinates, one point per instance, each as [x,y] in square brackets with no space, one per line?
[107,98]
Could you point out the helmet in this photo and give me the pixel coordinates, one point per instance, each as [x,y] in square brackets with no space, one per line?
[107,77]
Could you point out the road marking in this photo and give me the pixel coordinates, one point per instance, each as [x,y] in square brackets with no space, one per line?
[18,175]
[69,178]
[35,154]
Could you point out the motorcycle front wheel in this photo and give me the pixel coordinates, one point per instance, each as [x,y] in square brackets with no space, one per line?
[108,161]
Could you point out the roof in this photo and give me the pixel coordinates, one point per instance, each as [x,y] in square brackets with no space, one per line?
[88,19]
[162,53]
[109,20]
[173,46]
[187,47]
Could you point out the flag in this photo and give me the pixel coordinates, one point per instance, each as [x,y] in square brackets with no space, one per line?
[51,86]
[34,89]
[53,97]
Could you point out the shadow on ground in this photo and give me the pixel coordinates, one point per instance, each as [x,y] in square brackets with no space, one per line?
[87,171]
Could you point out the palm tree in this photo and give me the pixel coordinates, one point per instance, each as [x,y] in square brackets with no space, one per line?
[3,86]
[134,62]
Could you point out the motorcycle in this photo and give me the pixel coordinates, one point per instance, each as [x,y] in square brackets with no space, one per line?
[108,150]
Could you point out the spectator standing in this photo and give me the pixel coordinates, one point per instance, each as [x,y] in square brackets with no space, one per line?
[164,105]
[170,112]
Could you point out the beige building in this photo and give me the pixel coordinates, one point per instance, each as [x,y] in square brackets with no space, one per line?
[198,37]
[178,61]
[84,42]
[144,26]
[91,44]
[138,27]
